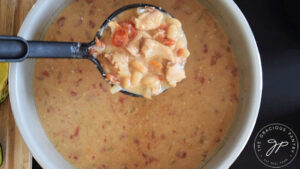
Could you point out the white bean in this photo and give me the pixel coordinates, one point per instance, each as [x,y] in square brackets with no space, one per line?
[125,82]
[173,32]
[150,81]
[136,78]
[175,22]
[139,66]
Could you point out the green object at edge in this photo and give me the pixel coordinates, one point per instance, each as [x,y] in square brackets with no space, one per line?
[0,155]
[3,94]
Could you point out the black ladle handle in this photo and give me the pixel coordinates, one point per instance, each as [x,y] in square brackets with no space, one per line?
[16,49]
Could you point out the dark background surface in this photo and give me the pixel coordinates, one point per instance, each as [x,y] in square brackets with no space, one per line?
[275,24]
[276,27]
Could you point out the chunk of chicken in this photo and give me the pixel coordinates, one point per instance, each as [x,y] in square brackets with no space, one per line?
[152,48]
[113,25]
[134,46]
[175,73]
[119,61]
[149,20]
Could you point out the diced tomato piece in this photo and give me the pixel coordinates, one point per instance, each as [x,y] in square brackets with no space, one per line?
[160,37]
[112,78]
[120,37]
[168,42]
[130,27]
[180,52]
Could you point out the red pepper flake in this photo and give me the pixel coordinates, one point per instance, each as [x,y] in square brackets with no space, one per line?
[50,109]
[71,39]
[104,140]
[122,136]
[75,157]
[162,136]
[195,131]
[174,131]
[93,157]
[136,141]
[45,73]
[181,94]
[122,99]
[89,1]
[188,12]
[92,24]
[214,58]
[102,87]
[181,154]
[144,155]
[103,150]
[232,85]
[205,48]
[78,23]
[234,98]
[148,146]
[204,155]
[184,141]
[178,4]
[198,77]
[61,21]
[78,81]
[153,134]
[76,133]
[201,80]
[74,94]
[92,11]
[228,49]
[102,167]
[234,71]
[78,70]
[171,113]
[124,127]
[136,165]
[148,159]
[220,130]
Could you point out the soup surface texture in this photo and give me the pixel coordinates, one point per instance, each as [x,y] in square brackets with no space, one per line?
[178,129]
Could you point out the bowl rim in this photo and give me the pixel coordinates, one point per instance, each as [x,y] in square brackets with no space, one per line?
[230,5]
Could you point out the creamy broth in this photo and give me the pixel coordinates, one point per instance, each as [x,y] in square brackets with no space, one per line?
[178,129]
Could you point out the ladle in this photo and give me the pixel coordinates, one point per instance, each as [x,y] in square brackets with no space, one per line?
[17,49]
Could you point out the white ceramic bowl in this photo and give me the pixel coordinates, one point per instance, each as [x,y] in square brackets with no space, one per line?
[245,48]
